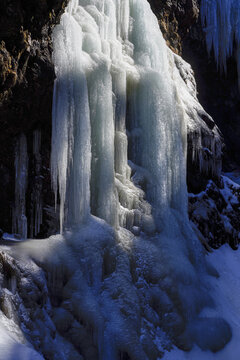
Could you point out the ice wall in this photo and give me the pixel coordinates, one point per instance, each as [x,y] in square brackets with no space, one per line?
[114,80]
[118,168]
[220,19]
[71,143]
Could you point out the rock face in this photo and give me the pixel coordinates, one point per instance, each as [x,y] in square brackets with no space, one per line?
[175,19]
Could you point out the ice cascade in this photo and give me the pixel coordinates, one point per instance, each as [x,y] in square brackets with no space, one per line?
[114,95]
[118,167]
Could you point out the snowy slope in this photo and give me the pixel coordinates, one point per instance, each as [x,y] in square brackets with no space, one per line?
[226,293]
[12,349]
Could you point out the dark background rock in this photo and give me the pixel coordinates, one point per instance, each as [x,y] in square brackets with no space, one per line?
[175,19]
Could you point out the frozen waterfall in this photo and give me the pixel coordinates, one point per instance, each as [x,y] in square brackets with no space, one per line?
[114,96]
[118,168]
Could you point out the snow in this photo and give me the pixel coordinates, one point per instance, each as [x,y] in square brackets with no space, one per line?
[99,301]
[10,237]
[230,191]
[226,294]
[234,176]
[10,347]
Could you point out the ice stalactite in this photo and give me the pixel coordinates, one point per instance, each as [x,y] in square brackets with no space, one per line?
[71,145]
[118,167]
[36,195]
[20,223]
[220,19]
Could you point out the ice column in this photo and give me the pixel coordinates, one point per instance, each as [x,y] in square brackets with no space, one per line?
[71,147]
[36,195]
[162,140]
[21,177]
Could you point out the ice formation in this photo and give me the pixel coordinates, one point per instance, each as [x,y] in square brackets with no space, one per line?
[113,84]
[20,223]
[204,138]
[21,176]
[220,19]
[36,194]
[129,264]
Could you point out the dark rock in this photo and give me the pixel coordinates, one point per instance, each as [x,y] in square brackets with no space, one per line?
[175,19]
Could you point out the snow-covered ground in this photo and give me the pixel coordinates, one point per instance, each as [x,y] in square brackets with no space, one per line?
[226,292]
[11,237]
[234,176]
[12,349]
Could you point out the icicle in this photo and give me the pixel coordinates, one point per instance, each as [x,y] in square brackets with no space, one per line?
[21,178]
[36,196]
[221,23]
[71,149]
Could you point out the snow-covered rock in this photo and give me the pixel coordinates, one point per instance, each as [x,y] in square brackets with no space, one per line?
[216,212]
